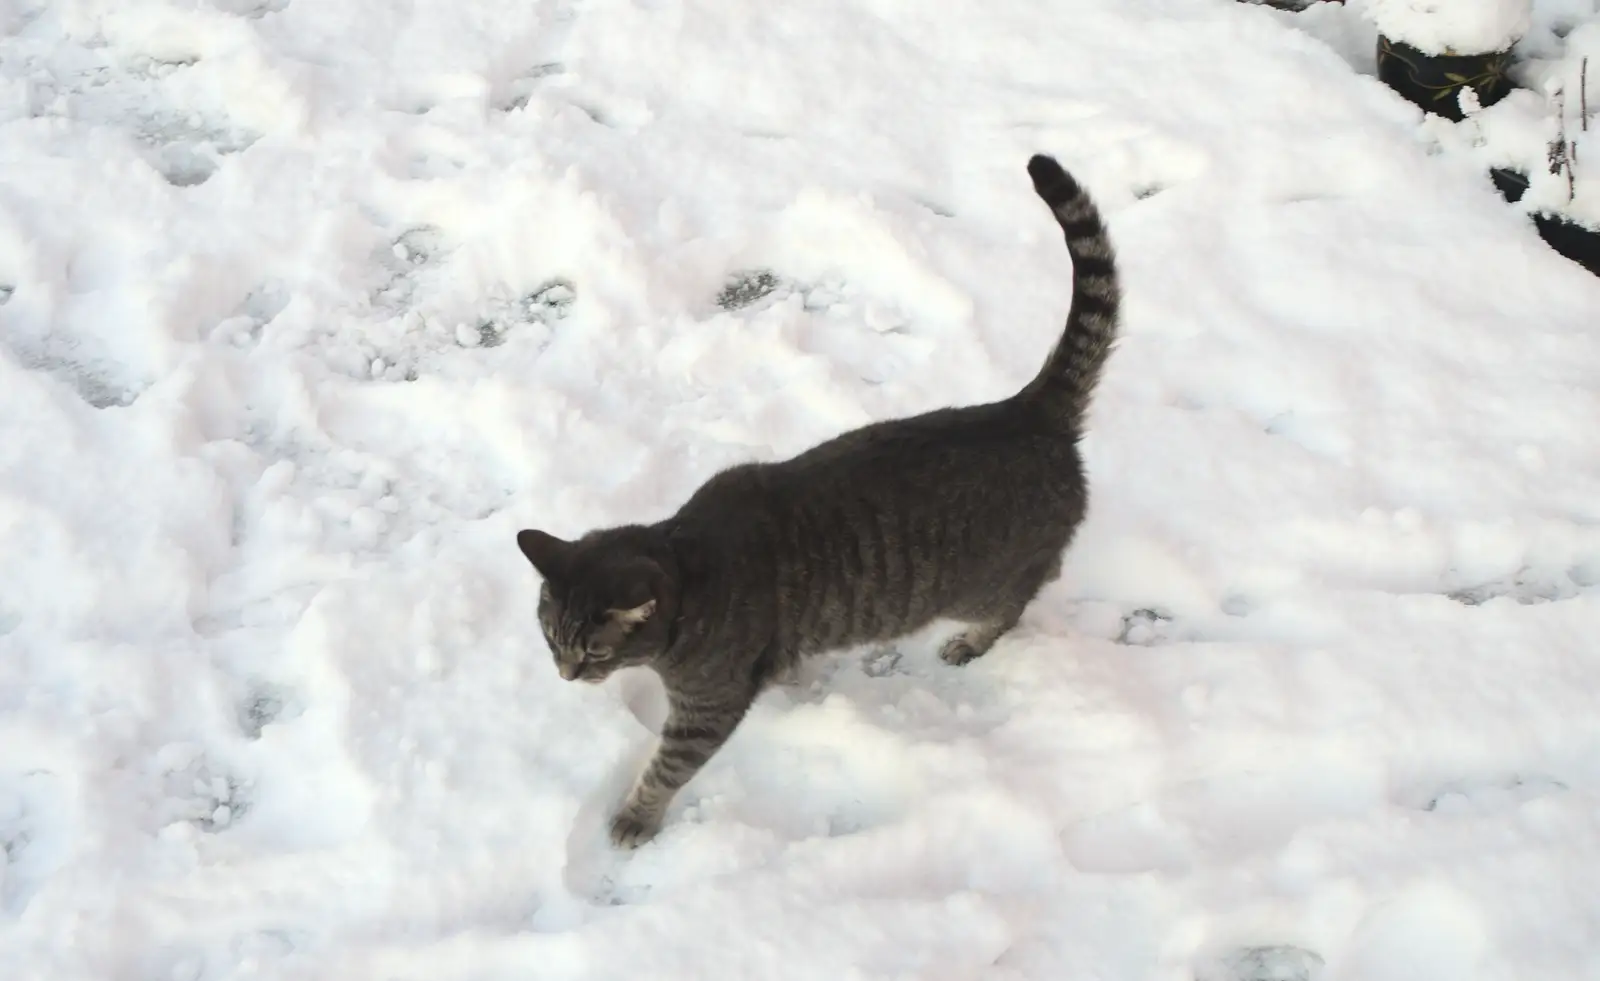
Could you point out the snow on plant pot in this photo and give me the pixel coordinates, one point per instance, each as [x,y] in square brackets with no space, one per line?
[1431,50]
[1580,244]
[1541,144]
[1570,221]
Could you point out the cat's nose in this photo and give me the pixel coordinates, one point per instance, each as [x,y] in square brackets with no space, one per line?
[569,669]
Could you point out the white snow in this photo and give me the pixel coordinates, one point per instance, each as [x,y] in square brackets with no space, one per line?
[1439,27]
[308,307]
[1558,103]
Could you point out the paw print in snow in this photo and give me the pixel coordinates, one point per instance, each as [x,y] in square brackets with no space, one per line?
[746,287]
[1280,962]
[1145,628]
[196,791]
[550,303]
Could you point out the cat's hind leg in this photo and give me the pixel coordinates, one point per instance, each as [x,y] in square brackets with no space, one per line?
[996,618]
[974,640]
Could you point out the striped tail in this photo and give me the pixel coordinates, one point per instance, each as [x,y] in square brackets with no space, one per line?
[1066,383]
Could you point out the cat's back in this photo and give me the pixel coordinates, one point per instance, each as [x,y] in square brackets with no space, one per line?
[879,529]
[976,440]
[937,463]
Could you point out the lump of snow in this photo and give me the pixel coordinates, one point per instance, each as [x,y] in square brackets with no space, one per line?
[1462,27]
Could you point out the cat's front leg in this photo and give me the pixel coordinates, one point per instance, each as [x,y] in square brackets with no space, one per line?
[696,728]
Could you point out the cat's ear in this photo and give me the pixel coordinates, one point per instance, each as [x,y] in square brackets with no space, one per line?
[643,591]
[547,552]
[633,616]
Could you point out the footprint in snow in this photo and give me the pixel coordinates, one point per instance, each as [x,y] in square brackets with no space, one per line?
[1146,628]
[259,308]
[1528,588]
[251,9]
[746,287]
[881,663]
[1483,794]
[186,146]
[94,378]
[1278,962]
[196,790]
[519,91]
[419,325]
[36,839]
[265,704]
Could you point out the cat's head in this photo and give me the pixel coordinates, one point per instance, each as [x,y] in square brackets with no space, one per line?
[604,603]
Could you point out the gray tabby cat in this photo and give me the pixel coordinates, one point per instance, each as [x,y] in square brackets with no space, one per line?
[960,514]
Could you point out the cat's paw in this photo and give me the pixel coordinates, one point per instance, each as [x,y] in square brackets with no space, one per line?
[957,652]
[630,830]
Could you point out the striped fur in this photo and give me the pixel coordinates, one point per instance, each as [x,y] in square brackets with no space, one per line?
[960,513]
[1070,375]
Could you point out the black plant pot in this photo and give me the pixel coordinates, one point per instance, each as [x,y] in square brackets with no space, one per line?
[1434,82]
[1580,244]
[1512,184]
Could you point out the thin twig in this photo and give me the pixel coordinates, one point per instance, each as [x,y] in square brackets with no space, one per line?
[1559,153]
[1583,92]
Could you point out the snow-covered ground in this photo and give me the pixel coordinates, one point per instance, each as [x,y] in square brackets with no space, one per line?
[309,306]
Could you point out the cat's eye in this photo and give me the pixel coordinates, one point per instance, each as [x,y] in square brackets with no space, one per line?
[599,619]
